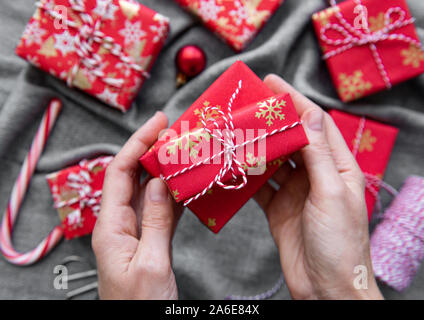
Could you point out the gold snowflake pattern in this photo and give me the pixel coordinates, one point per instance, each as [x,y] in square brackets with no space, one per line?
[276,162]
[188,141]
[271,110]
[412,56]
[256,17]
[353,86]
[236,39]
[253,162]
[210,114]
[153,147]
[224,23]
[175,194]
[376,23]
[367,141]
[324,16]
[211,222]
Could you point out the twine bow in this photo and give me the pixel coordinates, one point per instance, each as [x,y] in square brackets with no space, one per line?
[80,182]
[352,37]
[226,137]
[88,34]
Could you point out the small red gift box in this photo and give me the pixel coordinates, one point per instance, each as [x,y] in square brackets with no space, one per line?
[371,143]
[77,192]
[236,22]
[369,45]
[226,145]
[104,47]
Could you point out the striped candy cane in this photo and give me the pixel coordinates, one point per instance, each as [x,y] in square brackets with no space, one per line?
[18,193]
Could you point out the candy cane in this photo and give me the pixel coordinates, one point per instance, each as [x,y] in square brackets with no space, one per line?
[18,193]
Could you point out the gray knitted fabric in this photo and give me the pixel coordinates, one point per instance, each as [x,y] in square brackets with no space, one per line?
[242,258]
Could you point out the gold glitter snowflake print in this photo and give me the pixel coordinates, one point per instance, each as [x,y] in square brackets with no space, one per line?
[367,141]
[256,16]
[253,162]
[324,16]
[210,114]
[276,162]
[412,56]
[377,23]
[188,141]
[151,148]
[271,110]
[175,194]
[353,86]
[211,222]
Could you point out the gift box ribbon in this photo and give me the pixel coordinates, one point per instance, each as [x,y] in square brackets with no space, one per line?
[372,182]
[351,37]
[222,130]
[88,34]
[81,183]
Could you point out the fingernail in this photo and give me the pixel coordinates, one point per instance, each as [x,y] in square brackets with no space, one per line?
[157,190]
[314,120]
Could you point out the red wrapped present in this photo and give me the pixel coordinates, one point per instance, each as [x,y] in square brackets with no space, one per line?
[77,192]
[236,22]
[226,145]
[104,47]
[371,143]
[369,45]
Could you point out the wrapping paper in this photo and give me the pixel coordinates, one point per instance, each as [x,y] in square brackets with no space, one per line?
[255,112]
[236,22]
[77,194]
[356,72]
[374,149]
[106,49]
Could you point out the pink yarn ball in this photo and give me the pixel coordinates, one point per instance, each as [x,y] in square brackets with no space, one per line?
[397,244]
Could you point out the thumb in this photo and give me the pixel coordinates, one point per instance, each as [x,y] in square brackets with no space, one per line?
[317,156]
[158,220]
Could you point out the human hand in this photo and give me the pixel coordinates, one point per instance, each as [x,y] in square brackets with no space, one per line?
[133,234]
[318,216]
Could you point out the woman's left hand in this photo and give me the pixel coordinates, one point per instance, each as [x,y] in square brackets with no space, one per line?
[132,239]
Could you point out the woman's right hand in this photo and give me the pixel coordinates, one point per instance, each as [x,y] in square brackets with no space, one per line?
[318,216]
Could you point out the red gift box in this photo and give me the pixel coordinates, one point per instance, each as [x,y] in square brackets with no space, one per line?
[77,193]
[236,22]
[103,47]
[369,45]
[371,143]
[227,144]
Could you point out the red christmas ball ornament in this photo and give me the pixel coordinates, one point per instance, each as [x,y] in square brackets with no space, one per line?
[190,61]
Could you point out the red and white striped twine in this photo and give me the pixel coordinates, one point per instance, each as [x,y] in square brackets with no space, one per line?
[18,193]
[89,33]
[352,37]
[227,139]
[80,182]
[397,243]
[372,182]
